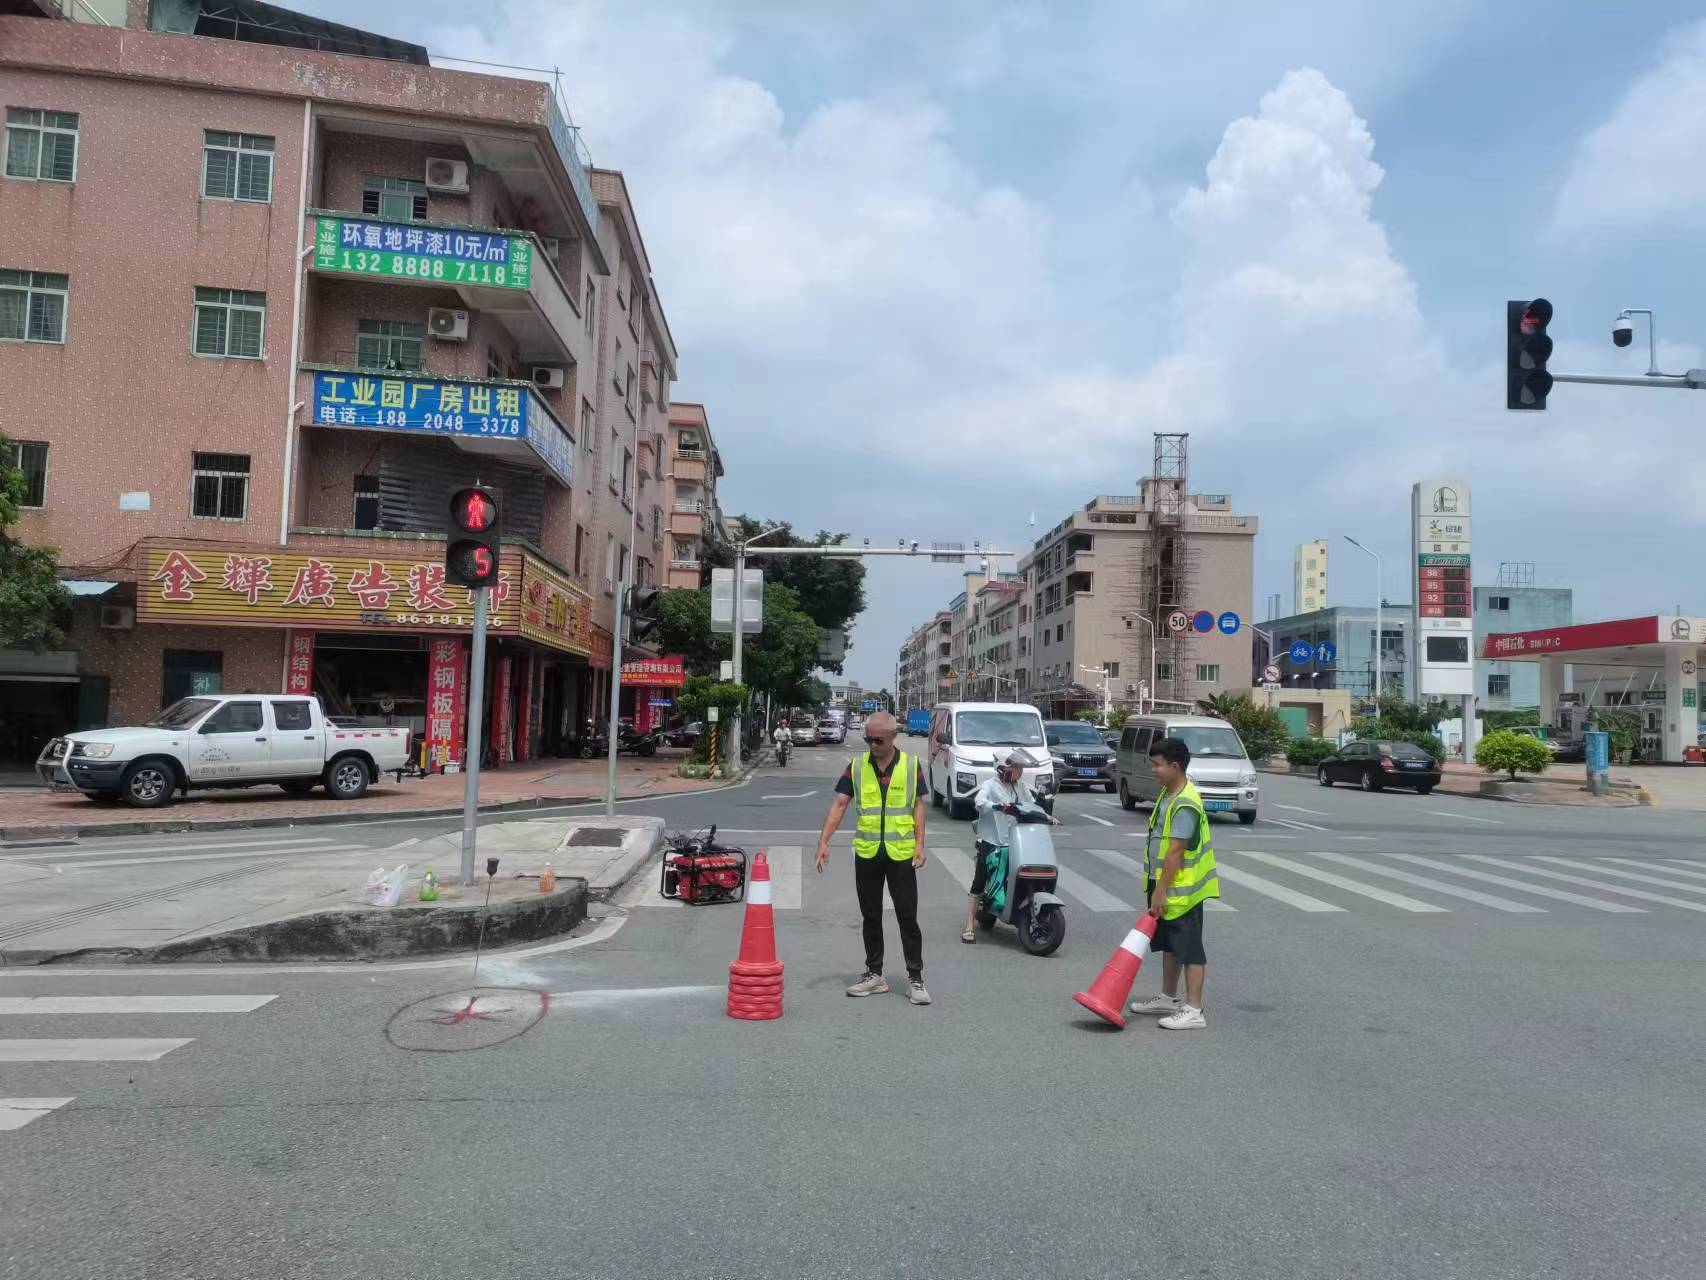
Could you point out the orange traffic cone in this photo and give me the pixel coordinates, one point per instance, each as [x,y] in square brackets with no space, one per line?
[755,978]
[1107,994]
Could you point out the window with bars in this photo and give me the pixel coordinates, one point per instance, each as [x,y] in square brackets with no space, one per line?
[390,344]
[230,322]
[591,302]
[236,166]
[1163,670]
[32,305]
[394,199]
[1208,672]
[628,392]
[366,503]
[30,457]
[219,486]
[41,145]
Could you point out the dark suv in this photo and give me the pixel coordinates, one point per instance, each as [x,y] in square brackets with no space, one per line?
[1082,757]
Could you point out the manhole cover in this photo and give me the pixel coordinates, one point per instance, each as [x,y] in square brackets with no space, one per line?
[602,837]
[461,1021]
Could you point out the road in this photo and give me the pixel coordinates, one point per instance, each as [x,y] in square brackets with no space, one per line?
[1448,1038]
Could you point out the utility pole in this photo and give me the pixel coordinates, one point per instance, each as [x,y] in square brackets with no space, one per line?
[615,732]
[739,717]
[1379,617]
[476,704]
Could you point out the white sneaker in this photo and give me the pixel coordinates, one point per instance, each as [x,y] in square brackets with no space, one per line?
[1187,1019]
[1162,1003]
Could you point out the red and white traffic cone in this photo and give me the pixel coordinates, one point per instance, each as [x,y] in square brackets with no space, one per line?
[1107,994]
[755,977]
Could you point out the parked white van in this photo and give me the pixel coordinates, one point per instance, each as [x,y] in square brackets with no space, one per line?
[966,741]
[1219,766]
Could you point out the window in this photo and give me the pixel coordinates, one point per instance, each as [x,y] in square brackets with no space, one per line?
[616,366]
[587,433]
[591,302]
[1208,672]
[41,145]
[187,673]
[609,560]
[622,285]
[396,344]
[1112,670]
[685,551]
[580,548]
[1309,563]
[628,392]
[30,457]
[628,476]
[1448,649]
[236,166]
[292,715]
[1501,603]
[32,306]
[394,199]
[1309,582]
[1163,671]
[219,487]
[1059,633]
[1045,637]
[622,565]
[366,502]
[234,717]
[229,322]
[1498,686]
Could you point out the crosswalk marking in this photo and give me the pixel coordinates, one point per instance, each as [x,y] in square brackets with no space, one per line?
[1612,870]
[1268,889]
[1133,868]
[1093,818]
[1600,885]
[1455,891]
[132,1004]
[1297,824]
[1090,893]
[1678,866]
[957,863]
[15,1113]
[1402,901]
[785,873]
[233,855]
[1521,886]
[102,1049]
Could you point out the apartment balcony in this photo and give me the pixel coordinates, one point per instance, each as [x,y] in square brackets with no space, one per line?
[499,419]
[498,272]
[687,519]
[690,465]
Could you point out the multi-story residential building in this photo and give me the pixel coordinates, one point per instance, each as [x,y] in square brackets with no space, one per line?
[1350,664]
[695,516]
[924,673]
[994,644]
[263,307]
[1309,577]
[1502,686]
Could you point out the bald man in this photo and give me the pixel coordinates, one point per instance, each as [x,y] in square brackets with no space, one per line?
[887,785]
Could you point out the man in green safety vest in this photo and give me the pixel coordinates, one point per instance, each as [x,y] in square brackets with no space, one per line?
[1178,863]
[888,848]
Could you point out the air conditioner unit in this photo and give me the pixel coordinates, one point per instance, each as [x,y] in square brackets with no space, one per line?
[118,617]
[448,324]
[550,245]
[449,176]
[548,376]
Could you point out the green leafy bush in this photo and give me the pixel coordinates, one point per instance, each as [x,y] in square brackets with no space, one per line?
[1505,752]
[1260,727]
[1308,751]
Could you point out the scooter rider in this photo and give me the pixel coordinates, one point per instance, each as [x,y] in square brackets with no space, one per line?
[783,738]
[998,802]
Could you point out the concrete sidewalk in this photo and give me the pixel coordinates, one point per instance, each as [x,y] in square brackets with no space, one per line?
[41,813]
[296,907]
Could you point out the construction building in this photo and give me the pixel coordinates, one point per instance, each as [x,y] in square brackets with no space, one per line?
[1309,576]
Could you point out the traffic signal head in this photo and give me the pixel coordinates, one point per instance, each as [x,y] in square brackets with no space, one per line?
[643,616]
[1527,349]
[473,544]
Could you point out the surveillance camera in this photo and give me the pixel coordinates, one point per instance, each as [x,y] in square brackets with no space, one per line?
[1623,331]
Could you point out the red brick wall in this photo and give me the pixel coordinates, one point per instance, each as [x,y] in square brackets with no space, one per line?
[331,461]
[254,659]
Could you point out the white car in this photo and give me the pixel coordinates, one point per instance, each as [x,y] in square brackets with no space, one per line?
[805,735]
[967,741]
[225,740]
[831,731]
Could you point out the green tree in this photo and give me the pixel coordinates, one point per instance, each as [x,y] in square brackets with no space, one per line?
[1263,732]
[829,590]
[1405,721]
[1505,751]
[33,602]
[684,627]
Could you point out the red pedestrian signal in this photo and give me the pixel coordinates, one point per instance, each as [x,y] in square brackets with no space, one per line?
[472,547]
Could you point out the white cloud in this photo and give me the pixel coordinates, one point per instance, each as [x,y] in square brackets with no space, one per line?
[1641,167]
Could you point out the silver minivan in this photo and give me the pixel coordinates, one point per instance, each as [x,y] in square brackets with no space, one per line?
[1219,765]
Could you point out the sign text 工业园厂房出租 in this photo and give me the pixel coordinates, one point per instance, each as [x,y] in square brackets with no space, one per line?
[369,247]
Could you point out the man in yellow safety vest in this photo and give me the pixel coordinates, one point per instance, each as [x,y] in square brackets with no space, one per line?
[1178,861]
[888,848]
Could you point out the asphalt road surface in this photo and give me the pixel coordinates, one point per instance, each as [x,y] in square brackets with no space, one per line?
[1447,1038]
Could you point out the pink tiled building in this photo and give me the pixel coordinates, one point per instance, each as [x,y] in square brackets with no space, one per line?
[265,303]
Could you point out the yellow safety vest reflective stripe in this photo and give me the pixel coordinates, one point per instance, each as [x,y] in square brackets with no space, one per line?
[885,811]
[1196,879]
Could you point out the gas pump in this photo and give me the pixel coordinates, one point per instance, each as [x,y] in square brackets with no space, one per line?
[1652,725]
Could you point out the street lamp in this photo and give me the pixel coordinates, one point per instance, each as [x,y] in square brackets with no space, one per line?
[1379,618]
[1154,643]
[1107,697]
[740,591]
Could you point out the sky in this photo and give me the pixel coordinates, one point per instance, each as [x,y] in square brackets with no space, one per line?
[935,269]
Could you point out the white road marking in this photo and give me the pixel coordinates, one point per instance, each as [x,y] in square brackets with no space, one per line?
[103,850]
[1672,866]
[1297,808]
[1522,886]
[1455,891]
[15,1113]
[1268,889]
[1402,901]
[622,995]
[1259,832]
[1093,818]
[956,862]
[1615,870]
[1090,893]
[786,865]
[1369,838]
[234,855]
[1621,892]
[803,795]
[1296,825]
[1464,817]
[133,1004]
[87,1050]
[1133,868]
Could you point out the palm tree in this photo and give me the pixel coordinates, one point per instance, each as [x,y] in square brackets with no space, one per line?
[1223,705]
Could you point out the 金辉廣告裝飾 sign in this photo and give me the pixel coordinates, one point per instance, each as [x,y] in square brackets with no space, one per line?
[439,255]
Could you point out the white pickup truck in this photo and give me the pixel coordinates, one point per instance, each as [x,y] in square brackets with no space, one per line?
[225,740]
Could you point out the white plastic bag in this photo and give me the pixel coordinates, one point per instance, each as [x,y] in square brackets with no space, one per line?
[385,888]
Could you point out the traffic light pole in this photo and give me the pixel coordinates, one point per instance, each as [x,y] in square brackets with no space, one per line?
[476,704]
[614,732]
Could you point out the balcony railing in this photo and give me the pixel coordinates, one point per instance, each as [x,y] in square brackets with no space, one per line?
[694,507]
[696,454]
[683,564]
[572,152]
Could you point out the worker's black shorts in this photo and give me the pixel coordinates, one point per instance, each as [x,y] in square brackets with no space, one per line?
[1181,936]
[980,868]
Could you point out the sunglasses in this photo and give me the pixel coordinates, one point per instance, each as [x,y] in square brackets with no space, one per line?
[873,741]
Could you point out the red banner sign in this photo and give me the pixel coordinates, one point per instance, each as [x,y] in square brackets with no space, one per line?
[299,662]
[446,676]
[502,720]
[1587,635]
[659,673]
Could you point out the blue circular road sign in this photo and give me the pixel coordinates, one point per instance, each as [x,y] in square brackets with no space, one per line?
[1203,621]
[1326,651]
[1300,651]
[1228,623]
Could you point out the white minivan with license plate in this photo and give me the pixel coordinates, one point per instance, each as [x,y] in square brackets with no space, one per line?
[968,739]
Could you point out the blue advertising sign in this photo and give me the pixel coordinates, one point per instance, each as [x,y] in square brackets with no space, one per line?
[869,704]
[1596,749]
[1326,651]
[1300,651]
[1203,621]
[473,410]
[1228,623]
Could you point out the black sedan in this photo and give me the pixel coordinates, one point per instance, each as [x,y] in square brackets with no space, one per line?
[1081,757]
[1379,762]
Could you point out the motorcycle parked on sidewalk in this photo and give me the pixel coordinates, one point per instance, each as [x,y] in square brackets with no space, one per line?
[595,742]
[1022,884]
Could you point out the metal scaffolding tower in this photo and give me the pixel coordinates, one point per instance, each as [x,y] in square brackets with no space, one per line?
[1170,571]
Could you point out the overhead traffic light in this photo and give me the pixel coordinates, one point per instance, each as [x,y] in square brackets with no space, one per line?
[1527,349]
[644,614]
[472,548]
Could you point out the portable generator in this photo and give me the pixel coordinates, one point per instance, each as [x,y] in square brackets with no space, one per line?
[699,871]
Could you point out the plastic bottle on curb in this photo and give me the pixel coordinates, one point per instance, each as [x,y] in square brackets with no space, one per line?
[547,879]
[429,888]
